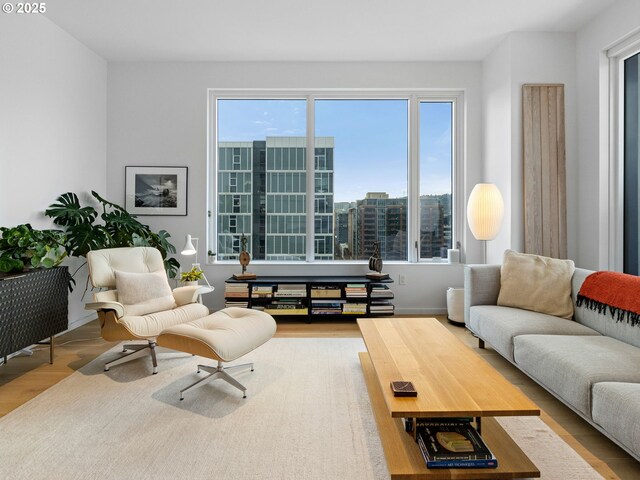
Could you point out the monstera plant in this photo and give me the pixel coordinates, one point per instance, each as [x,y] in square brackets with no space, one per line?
[87,229]
[24,247]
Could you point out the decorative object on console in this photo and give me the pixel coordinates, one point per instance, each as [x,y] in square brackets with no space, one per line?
[375,264]
[156,190]
[485,210]
[188,250]
[244,259]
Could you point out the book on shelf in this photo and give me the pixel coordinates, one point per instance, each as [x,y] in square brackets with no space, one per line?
[291,290]
[325,291]
[452,444]
[355,290]
[286,311]
[354,309]
[262,291]
[236,304]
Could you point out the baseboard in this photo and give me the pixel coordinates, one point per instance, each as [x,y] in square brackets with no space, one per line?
[420,311]
[73,324]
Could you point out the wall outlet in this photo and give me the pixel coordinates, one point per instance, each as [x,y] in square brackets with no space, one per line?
[402,280]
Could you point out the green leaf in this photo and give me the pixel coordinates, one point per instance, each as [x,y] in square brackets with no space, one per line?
[171,265]
[68,211]
[86,237]
[8,265]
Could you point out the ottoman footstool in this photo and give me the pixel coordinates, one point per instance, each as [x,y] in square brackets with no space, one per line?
[224,336]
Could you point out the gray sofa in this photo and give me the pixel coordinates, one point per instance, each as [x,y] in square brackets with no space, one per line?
[591,363]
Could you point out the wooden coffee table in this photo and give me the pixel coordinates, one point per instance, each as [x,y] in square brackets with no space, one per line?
[452,381]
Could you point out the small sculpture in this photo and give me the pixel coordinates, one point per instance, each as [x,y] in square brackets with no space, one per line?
[244,259]
[375,264]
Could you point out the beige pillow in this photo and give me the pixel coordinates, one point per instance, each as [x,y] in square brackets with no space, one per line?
[144,293]
[536,283]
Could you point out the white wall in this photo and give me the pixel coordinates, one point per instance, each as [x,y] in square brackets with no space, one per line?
[497,129]
[157,115]
[520,59]
[592,41]
[52,123]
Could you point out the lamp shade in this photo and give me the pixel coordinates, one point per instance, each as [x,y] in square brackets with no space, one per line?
[485,211]
[188,249]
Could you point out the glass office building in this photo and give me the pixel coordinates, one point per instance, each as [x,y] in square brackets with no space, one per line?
[262,187]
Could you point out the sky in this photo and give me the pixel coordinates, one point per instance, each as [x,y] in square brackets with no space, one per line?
[371,139]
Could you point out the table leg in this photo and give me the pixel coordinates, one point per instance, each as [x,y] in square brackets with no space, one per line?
[479,425]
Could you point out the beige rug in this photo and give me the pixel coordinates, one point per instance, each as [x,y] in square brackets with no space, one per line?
[307,416]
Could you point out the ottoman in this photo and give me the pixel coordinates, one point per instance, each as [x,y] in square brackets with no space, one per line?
[223,336]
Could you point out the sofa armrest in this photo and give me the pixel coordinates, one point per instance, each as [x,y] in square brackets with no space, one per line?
[117,307]
[481,286]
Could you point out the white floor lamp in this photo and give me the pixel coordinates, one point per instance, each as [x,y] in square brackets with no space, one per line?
[485,211]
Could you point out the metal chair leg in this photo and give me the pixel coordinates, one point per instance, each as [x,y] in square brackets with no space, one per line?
[138,350]
[218,372]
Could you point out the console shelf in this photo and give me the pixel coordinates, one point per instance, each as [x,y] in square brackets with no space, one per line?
[313,296]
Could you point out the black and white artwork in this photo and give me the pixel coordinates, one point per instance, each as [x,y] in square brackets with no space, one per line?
[156,190]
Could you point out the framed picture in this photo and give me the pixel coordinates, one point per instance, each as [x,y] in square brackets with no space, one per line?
[156,190]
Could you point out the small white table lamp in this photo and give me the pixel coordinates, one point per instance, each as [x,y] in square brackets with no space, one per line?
[485,211]
[188,250]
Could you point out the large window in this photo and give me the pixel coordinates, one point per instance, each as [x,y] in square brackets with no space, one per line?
[382,172]
[631,153]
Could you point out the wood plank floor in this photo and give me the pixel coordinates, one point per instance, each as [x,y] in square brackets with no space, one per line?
[24,377]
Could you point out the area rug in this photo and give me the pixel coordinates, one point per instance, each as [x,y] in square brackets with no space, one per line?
[306,416]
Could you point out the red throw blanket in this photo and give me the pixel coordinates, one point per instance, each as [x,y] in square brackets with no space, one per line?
[617,292]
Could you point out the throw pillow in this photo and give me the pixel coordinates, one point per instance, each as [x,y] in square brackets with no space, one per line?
[536,283]
[144,293]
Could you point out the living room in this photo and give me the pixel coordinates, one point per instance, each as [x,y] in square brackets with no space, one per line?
[93,89]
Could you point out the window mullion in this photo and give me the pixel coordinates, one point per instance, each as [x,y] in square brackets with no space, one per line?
[413,182]
[310,197]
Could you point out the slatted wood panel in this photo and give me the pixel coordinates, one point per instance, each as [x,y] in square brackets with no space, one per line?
[545,197]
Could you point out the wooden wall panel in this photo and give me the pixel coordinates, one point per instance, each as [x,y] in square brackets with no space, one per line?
[545,197]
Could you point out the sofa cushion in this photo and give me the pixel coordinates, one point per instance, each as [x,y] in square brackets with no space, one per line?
[499,325]
[614,405]
[536,283]
[570,365]
[151,325]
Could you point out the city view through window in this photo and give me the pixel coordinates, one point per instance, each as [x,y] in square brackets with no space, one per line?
[360,169]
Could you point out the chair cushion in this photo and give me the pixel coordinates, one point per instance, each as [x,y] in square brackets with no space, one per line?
[103,263]
[147,326]
[224,335]
[614,405]
[570,365]
[498,326]
[144,293]
[536,283]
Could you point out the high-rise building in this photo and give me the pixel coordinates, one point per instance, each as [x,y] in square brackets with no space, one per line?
[435,225]
[262,194]
[378,218]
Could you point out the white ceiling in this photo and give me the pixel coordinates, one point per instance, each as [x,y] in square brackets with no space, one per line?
[319,30]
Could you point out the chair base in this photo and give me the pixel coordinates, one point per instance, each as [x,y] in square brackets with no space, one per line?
[139,350]
[218,372]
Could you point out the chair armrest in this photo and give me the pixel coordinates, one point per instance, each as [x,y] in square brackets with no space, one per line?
[115,306]
[186,295]
[481,286]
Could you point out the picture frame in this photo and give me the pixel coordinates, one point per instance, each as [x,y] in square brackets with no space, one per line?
[156,190]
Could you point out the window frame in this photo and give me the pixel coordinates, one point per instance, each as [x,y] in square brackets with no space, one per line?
[616,57]
[413,97]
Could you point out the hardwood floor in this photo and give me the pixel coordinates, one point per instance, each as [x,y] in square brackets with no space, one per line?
[24,377]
